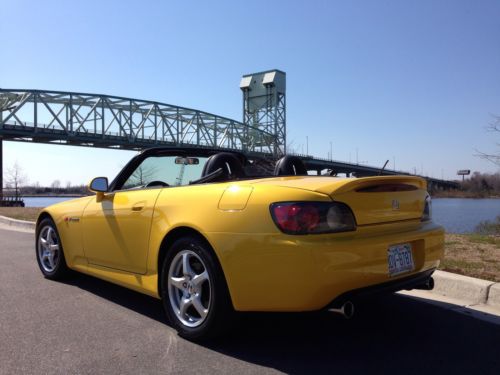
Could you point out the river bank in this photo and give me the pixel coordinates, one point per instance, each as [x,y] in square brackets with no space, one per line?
[463,194]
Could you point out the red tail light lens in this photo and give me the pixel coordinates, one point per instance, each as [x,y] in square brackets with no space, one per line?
[312,217]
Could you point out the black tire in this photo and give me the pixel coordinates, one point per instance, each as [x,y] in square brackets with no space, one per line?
[59,270]
[220,316]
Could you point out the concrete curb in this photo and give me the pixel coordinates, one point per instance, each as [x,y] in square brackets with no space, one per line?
[468,289]
[494,295]
[30,225]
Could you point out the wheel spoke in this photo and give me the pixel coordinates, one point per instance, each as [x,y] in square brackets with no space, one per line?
[178,282]
[199,279]
[49,236]
[184,305]
[196,301]
[186,267]
[54,247]
[43,241]
[50,258]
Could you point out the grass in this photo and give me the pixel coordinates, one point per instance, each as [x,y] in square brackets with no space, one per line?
[21,213]
[485,239]
[475,255]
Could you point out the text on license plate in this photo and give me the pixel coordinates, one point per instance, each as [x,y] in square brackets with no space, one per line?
[400,259]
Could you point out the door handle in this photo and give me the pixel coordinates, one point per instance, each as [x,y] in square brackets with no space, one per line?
[137,207]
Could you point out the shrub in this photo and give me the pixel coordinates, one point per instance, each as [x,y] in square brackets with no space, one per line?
[489,227]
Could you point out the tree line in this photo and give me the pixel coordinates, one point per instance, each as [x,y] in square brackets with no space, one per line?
[16,185]
[482,184]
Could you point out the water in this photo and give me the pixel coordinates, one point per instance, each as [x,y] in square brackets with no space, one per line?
[462,215]
[455,214]
[43,201]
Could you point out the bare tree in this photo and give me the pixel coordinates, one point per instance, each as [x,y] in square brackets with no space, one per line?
[141,176]
[494,158]
[56,184]
[15,178]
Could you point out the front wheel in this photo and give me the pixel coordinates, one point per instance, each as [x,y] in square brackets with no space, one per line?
[49,251]
[194,291]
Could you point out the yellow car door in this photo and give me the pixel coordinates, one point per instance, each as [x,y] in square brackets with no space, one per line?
[116,229]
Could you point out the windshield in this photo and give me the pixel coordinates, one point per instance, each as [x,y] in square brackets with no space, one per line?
[171,170]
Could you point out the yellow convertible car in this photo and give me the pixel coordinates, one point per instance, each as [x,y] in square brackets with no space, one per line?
[212,233]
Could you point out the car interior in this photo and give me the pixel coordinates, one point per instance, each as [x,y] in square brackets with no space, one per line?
[225,166]
[218,167]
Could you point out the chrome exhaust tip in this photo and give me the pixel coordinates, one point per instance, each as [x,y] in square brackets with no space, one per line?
[346,310]
[428,285]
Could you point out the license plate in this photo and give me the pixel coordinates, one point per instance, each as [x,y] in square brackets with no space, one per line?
[400,259]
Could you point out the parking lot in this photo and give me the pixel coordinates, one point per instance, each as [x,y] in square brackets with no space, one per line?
[85,325]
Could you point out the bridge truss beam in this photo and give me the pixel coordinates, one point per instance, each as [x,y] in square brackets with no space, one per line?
[115,122]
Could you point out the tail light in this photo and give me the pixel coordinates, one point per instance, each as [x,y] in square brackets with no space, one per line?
[427,214]
[312,217]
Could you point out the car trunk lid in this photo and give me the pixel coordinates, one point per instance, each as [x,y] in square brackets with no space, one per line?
[377,200]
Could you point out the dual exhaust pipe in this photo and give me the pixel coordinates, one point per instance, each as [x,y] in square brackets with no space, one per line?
[347,308]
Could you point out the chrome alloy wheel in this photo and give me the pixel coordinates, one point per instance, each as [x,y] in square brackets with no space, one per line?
[189,288]
[48,248]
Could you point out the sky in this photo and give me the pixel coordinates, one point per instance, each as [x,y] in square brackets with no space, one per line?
[415,82]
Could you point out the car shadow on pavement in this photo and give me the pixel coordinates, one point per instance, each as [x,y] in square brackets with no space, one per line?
[138,302]
[390,334]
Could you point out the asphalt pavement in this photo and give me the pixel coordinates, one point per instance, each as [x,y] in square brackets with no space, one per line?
[85,325]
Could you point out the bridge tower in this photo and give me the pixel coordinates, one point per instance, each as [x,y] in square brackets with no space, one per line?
[264,105]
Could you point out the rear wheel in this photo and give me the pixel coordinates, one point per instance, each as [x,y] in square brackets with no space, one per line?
[49,251]
[194,291]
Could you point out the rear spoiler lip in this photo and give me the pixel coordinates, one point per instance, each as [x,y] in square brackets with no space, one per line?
[363,182]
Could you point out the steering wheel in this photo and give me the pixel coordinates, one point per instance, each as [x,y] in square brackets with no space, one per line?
[156,183]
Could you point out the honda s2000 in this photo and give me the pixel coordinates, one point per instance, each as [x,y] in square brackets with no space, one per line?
[212,233]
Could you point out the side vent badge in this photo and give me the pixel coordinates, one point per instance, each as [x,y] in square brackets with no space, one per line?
[395,205]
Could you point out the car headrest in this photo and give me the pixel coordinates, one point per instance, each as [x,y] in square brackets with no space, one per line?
[290,165]
[230,164]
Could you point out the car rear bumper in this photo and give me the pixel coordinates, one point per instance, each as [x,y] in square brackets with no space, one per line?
[417,280]
[278,272]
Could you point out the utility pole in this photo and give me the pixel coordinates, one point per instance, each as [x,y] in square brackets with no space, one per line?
[331,151]
[307,145]
[357,160]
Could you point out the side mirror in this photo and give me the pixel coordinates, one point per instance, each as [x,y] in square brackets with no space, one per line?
[99,185]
